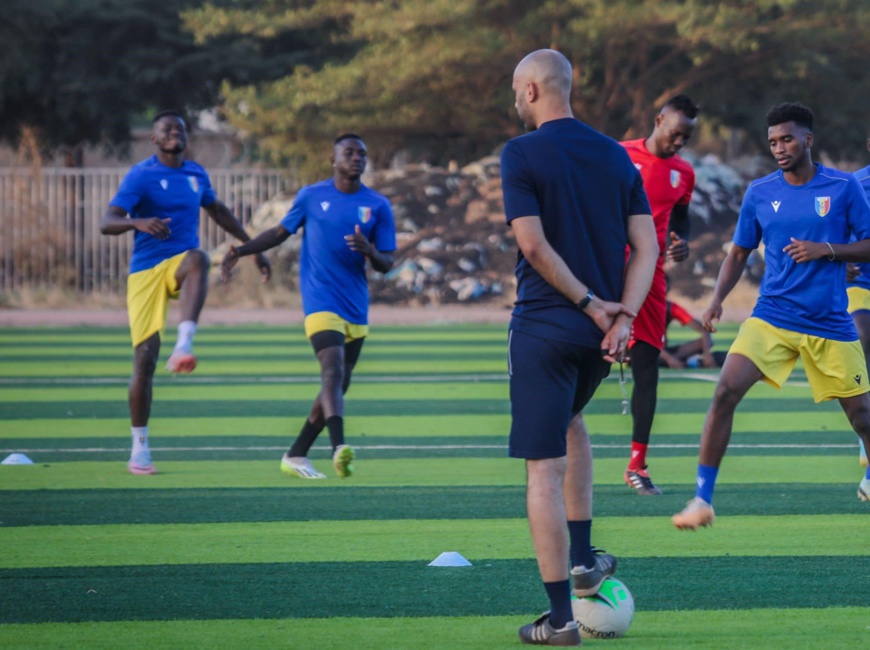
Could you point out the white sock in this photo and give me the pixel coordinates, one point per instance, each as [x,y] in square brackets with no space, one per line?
[140,440]
[186,330]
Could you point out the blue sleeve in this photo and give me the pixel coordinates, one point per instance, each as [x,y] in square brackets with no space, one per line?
[385,229]
[858,216]
[208,194]
[639,202]
[747,234]
[518,187]
[130,192]
[295,217]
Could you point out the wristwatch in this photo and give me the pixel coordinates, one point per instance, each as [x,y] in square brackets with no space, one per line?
[584,302]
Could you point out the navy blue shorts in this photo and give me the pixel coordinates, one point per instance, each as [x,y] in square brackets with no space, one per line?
[550,383]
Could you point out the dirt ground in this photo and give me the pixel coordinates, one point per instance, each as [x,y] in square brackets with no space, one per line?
[64,311]
[378,315]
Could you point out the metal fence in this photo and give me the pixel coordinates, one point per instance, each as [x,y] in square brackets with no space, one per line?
[49,224]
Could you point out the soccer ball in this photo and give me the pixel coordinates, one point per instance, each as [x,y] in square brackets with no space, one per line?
[607,614]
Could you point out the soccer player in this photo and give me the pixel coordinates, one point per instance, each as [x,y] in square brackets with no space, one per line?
[574,201]
[160,199]
[805,214]
[668,180]
[699,349]
[859,307]
[345,224]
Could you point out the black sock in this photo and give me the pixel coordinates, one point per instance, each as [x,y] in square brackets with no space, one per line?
[305,439]
[560,603]
[580,533]
[335,424]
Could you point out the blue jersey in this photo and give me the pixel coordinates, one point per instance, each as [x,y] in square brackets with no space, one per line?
[332,277]
[863,280]
[810,297]
[151,189]
[584,187]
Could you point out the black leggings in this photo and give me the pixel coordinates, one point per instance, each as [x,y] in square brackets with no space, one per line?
[645,373]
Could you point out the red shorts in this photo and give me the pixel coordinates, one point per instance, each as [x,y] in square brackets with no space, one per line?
[649,326]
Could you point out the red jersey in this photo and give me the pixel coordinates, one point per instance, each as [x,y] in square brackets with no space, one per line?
[667,181]
[677,313]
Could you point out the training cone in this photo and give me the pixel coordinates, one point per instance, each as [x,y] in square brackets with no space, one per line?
[17,459]
[450,558]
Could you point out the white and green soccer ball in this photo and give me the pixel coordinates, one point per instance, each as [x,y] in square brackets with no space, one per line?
[607,614]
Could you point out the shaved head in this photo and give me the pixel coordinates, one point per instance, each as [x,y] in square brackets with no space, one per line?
[549,69]
[542,87]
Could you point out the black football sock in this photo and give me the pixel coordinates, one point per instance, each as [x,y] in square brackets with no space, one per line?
[560,603]
[335,424]
[305,439]
[580,533]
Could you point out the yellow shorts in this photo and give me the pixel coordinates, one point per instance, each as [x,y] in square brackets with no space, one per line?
[859,299]
[148,294]
[323,321]
[834,368]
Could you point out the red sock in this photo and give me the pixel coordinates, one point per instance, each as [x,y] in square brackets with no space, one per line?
[638,456]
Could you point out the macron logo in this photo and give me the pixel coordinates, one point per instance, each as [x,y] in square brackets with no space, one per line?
[164,183]
[701,482]
[324,205]
[776,205]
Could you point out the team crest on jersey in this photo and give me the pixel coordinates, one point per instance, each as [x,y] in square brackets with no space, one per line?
[675,178]
[194,185]
[365,214]
[823,205]
[164,183]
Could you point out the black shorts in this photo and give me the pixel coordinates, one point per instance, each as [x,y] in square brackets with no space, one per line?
[550,383]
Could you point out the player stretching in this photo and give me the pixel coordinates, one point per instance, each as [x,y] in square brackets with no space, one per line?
[801,309]
[163,195]
[668,181]
[345,223]
[859,307]
[573,201]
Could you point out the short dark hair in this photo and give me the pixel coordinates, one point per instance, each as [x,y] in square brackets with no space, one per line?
[167,113]
[683,104]
[790,112]
[346,136]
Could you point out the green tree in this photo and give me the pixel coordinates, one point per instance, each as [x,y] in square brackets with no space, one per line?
[76,71]
[433,76]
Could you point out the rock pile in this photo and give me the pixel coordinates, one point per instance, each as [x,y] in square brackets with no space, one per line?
[454,245]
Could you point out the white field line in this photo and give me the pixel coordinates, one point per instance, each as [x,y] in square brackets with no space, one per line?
[85,450]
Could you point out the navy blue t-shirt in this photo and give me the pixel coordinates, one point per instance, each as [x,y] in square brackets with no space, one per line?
[584,187]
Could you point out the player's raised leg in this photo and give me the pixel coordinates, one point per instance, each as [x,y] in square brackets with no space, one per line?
[191,278]
[739,374]
[589,566]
